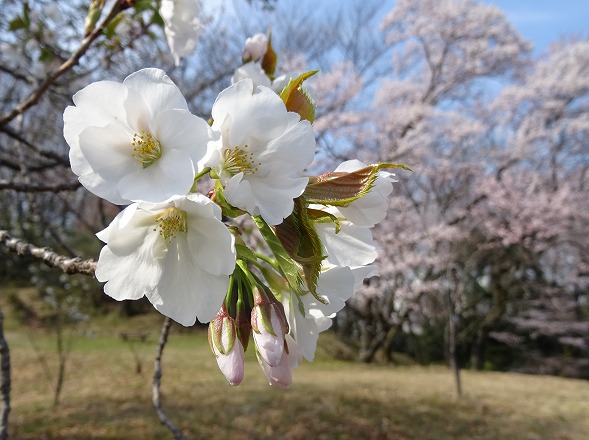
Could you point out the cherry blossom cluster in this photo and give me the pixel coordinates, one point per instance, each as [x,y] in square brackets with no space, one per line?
[136,143]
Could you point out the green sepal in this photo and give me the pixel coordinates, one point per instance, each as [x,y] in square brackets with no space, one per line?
[245,253]
[318,215]
[216,329]
[243,312]
[227,209]
[298,100]
[340,188]
[270,59]
[275,281]
[287,265]
[300,240]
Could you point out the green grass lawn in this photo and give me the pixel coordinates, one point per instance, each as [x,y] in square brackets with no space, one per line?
[104,397]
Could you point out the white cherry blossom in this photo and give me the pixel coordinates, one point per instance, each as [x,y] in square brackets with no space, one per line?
[255,47]
[304,329]
[182,26]
[178,254]
[262,151]
[135,141]
[254,72]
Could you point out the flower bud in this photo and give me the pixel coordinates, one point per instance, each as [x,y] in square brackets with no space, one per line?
[226,347]
[269,326]
[244,326]
[255,47]
[281,375]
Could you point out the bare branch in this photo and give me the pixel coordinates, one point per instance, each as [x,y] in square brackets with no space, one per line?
[5,381]
[48,154]
[36,94]
[47,255]
[34,188]
[157,376]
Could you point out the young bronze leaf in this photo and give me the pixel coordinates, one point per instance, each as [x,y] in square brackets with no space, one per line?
[270,59]
[299,238]
[342,188]
[298,100]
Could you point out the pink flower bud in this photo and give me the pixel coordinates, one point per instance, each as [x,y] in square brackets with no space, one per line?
[269,327]
[226,347]
[255,47]
[281,375]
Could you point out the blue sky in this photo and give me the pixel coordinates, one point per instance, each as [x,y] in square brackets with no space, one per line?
[544,21]
[540,21]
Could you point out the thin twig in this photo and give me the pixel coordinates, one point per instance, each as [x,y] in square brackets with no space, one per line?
[48,256]
[36,94]
[5,381]
[157,376]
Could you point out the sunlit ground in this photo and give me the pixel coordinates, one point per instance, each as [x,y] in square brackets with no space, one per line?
[104,396]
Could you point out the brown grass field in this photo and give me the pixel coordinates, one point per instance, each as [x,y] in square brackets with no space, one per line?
[104,397]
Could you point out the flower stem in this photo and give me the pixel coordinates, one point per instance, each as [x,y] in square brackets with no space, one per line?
[198,177]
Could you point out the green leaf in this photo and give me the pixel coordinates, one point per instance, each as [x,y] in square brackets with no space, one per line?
[45,55]
[94,13]
[342,188]
[25,14]
[298,100]
[299,238]
[143,5]
[110,30]
[157,19]
[16,24]
[287,265]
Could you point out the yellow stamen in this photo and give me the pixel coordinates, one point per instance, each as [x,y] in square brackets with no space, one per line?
[170,222]
[237,160]
[146,149]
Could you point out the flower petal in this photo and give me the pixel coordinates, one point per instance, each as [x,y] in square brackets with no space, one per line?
[130,275]
[336,285]
[172,174]
[107,152]
[210,242]
[351,246]
[295,147]
[157,90]
[185,291]
[256,118]
[181,130]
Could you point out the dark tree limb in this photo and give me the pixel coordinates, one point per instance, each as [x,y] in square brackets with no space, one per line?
[157,376]
[4,381]
[36,94]
[40,187]
[48,256]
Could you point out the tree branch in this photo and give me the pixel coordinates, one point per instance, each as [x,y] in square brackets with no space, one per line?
[47,255]
[33,188]
[157,376]
[5,381]
[64,160]
[36,94]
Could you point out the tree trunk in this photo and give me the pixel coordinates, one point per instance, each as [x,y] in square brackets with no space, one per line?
[478,354]
[452,354]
